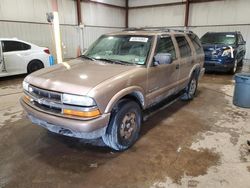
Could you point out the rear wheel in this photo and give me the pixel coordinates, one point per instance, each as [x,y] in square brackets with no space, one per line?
[34,65]
[191,88]
[124,127]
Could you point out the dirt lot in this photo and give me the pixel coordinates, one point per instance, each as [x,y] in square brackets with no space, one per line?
[201,143]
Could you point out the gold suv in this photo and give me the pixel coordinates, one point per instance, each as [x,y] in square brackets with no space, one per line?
[104,92]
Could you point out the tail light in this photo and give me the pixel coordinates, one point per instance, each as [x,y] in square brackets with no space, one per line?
[47,51]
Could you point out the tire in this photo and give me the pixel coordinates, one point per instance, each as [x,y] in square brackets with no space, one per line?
[240,63]
[234,69]
[191,88]
[34,65]
[118,136]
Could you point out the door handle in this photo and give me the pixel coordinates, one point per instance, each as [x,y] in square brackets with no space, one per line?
[177,66]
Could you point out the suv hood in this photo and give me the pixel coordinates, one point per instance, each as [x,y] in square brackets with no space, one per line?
[77,76]
[210,47]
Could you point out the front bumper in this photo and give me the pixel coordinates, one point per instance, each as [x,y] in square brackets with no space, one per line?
[212,66]
[88,129]
[219,64]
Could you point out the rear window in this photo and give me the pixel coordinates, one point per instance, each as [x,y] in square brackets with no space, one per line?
[185,50]
[196,42]
[10,46]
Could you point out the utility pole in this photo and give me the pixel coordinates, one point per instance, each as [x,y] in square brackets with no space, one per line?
[187,13]
[53,17]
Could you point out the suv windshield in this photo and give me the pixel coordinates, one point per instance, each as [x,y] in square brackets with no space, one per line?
[218,38]
[126,49]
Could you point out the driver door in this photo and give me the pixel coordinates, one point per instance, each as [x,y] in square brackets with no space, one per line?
[163,78]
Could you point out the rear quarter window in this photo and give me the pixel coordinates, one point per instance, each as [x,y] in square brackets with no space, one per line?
[185,50]
[196,43]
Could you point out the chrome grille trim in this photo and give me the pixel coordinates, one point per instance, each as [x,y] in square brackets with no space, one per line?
[42,93]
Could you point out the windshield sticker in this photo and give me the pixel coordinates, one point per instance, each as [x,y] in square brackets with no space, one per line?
[136,59]
[232,36]
[138,39]
[140,62]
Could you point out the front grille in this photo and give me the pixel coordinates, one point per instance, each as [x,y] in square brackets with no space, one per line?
[48,108]
[208,53]
[46,100]
[46,94]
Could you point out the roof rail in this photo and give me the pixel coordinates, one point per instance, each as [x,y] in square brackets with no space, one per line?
[163,29]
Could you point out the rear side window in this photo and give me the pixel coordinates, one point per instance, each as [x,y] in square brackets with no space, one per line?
[184,47]
[165,45]
[10,46]
[196,42]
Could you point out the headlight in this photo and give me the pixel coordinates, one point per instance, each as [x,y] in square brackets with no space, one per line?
[78,100]
[25,86]
[226,52]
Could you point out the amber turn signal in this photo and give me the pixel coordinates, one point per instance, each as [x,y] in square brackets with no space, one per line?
[26,98]
[89,114]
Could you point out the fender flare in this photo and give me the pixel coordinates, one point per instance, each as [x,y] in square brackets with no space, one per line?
[194,68]
[135,91]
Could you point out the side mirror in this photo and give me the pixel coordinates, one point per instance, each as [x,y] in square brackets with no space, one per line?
[242,43]
[83,51]
[162,58]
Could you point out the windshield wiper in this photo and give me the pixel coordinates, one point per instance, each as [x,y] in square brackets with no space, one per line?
[87,57]
[113,61]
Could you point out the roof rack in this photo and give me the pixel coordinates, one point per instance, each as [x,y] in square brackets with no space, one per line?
[162,29]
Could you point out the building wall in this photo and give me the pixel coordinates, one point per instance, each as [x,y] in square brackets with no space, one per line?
[26,20]
[135,3]
[157,16]
[227,15]
[99,19]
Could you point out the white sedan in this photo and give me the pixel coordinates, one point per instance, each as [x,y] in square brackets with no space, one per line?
[20,57]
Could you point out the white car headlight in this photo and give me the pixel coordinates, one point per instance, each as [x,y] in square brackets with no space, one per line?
[226,52]
[78,100]
[25,86]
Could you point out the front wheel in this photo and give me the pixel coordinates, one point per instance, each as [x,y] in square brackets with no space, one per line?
[233,70]
[124,127]
[191,88]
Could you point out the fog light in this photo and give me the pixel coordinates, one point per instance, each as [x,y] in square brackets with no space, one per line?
[89,114]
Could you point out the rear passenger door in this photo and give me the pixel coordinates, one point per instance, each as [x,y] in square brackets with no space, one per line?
[199,53]
[186,60]
[163,79]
